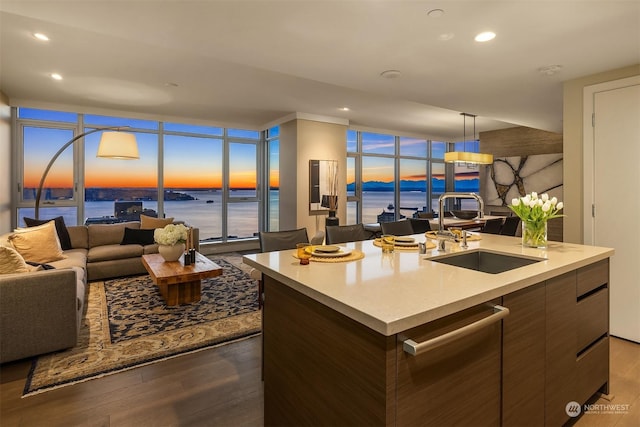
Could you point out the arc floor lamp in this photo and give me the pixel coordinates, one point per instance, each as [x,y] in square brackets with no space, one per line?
[113,145]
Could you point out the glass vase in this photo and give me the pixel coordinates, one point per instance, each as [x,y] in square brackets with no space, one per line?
[534,234]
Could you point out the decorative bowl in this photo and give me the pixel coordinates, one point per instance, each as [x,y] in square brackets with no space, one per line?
[465,214]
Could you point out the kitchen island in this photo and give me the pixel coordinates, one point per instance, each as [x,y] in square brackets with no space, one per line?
[338,336]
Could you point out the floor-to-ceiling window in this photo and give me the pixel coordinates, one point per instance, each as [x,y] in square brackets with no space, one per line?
[109,183]
[273,179]
[241,192]
[193,167]
[391,177]
[206,176]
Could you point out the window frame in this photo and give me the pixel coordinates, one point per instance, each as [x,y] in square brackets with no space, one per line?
[79,165]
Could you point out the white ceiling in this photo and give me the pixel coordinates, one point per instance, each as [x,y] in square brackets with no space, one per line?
[250,63]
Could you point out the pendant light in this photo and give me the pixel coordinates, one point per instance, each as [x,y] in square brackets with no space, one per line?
[466,156]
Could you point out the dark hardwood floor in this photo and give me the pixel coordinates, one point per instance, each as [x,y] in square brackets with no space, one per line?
[215,387]
[219,387]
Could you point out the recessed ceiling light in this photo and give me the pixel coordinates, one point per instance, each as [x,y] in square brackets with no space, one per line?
[345,109]
[550,70]
[435,13]
[40,36]
[485,36]
[56,76]
[390,74]
[445,36]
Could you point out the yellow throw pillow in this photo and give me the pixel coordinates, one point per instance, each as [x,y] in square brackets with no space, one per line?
[149,222]
[38,244]
[12,262]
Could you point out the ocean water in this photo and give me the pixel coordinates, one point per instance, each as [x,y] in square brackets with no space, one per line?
[206,211]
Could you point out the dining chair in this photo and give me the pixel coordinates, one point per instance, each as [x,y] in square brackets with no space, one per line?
[492,226]
[277,241]
[345,233]
[397,228]
[510,226]
[280,240]
[427,215]
[420,225]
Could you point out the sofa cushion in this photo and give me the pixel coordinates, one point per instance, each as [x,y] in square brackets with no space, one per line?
[38,244]
[12,262]
[133,236]
[79,236]
[108,234]
[113,252]
[149,222]
[150,249]
[74,258]
[61,229]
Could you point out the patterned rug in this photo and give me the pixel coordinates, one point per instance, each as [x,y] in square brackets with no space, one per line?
[127,325]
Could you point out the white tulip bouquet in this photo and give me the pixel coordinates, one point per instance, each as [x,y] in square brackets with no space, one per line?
[532,208]
[535,211]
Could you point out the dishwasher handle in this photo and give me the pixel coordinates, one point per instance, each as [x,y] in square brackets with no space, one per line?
[414,348]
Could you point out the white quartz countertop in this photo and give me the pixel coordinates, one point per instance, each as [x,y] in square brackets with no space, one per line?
[391,293]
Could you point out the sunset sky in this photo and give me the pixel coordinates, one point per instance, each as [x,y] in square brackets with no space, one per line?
[196,162]
[189,162]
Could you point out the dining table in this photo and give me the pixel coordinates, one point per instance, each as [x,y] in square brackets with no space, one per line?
[474,224]
[465,224]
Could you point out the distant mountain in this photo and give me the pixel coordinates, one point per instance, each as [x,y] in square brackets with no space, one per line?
[437,185]
[107,194]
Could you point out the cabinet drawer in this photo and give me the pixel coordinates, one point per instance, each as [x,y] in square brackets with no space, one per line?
[593,318]
[453,383]
[592,276]
[593,370]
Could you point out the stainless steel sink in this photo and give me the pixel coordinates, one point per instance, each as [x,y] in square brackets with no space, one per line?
[485,261]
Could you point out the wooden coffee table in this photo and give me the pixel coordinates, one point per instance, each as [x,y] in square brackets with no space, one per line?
[180,284]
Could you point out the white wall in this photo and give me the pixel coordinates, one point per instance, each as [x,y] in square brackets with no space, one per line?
[302,140]
[572,146]
[5,164]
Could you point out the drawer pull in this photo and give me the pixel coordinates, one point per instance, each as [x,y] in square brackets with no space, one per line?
[414,348]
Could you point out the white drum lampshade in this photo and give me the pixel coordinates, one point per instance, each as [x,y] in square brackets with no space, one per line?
[118,145]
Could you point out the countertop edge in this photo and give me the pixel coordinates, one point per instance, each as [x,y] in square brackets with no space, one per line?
[396,326]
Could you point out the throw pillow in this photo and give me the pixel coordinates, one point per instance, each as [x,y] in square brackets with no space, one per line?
[38,244]
[12,262]
[149,222]
[61,229]
[134,236]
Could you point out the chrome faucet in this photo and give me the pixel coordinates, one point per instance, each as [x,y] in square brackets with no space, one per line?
[445,196]
[444,236]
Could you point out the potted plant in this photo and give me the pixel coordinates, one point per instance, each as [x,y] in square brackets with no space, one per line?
[171,241]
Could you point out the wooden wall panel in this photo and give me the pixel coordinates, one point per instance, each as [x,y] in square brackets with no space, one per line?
[520,141]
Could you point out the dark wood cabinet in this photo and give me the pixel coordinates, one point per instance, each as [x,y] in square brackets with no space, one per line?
[321,367]
[456,382]
[523,358]
[560,353]
[555,346]
[324,368]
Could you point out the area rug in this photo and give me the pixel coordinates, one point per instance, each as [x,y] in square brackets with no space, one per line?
[127,325]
